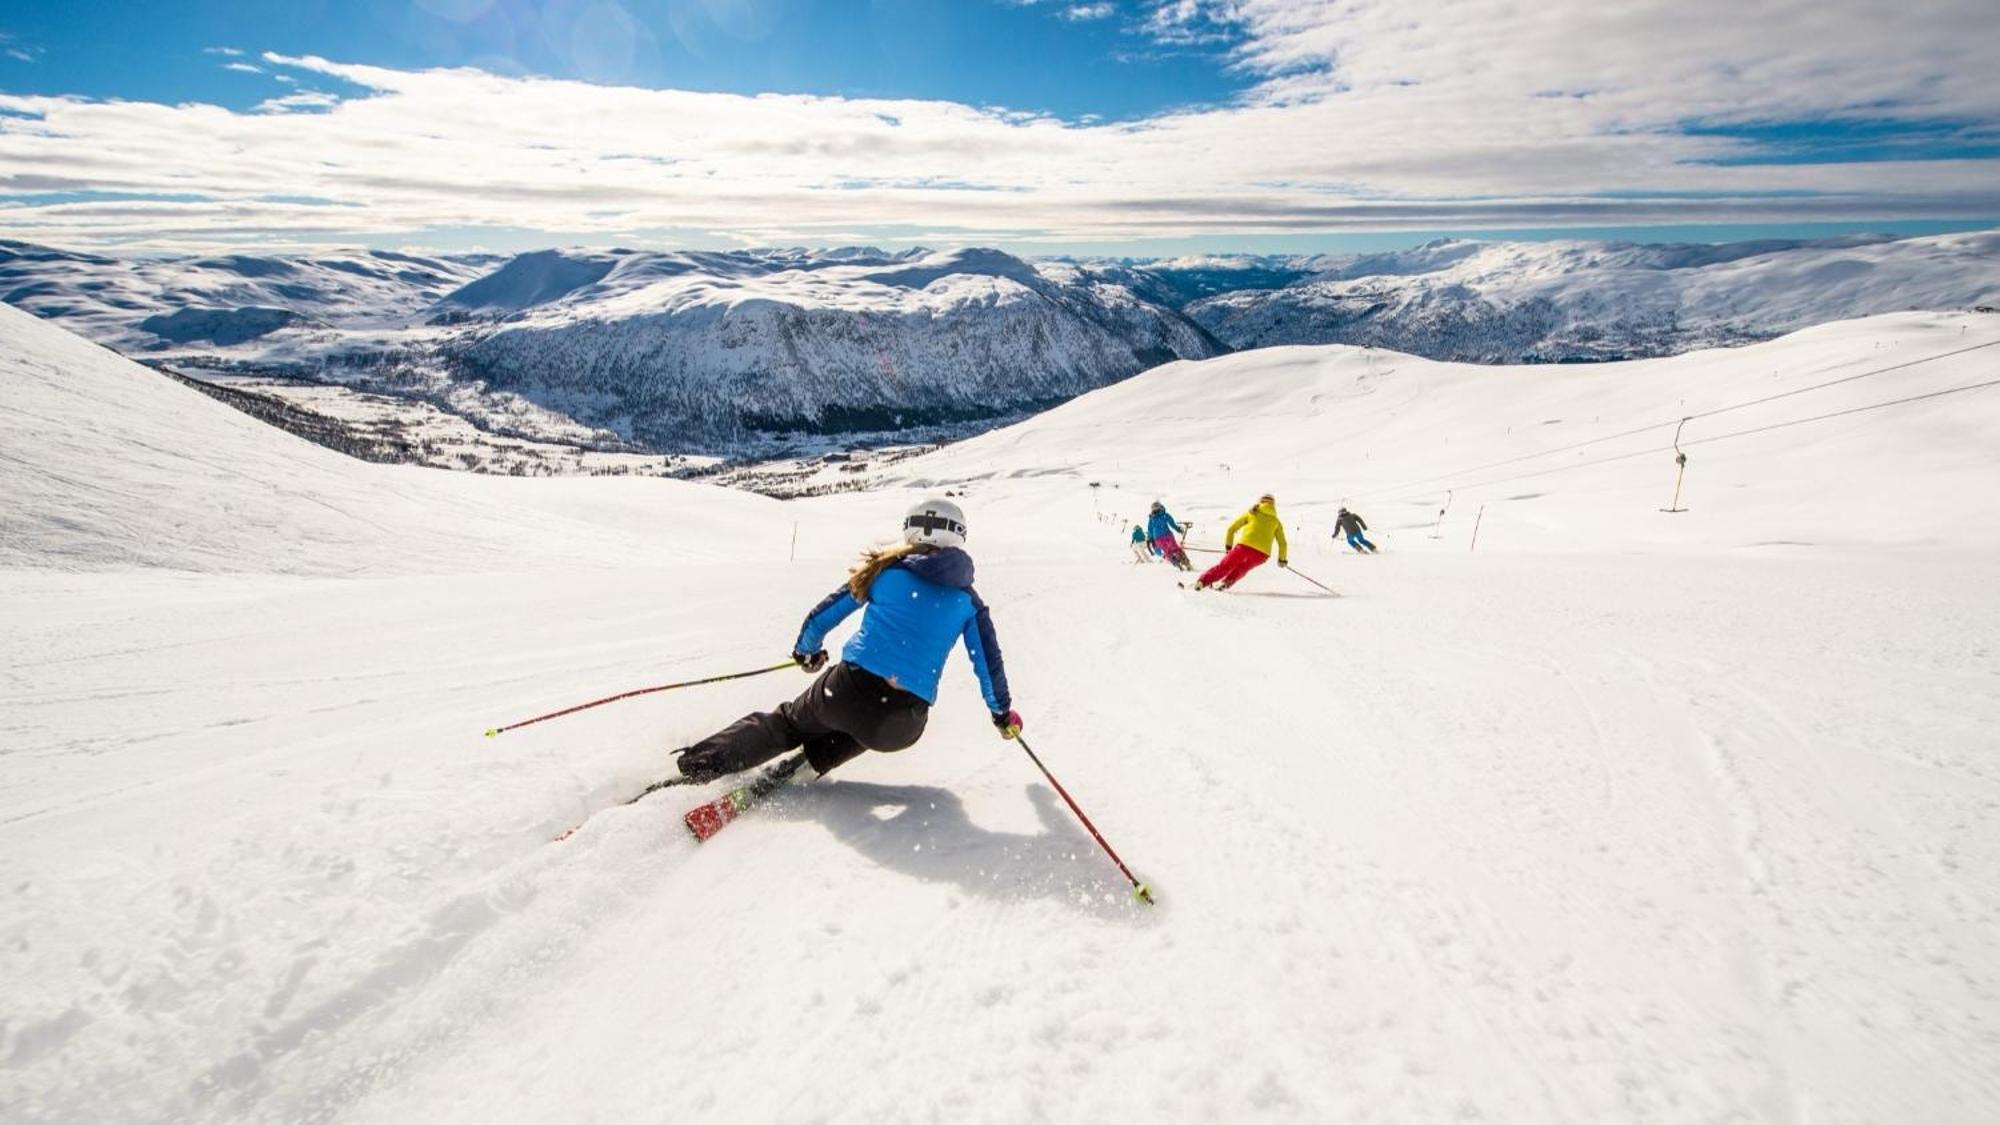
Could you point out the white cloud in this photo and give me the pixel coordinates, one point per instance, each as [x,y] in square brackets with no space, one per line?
[244,67]
[1077,13]
[231,52]
[1191,22]
[303,100]
[1638,61]
[1366,114]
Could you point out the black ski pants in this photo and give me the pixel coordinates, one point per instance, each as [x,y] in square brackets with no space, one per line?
[846,710]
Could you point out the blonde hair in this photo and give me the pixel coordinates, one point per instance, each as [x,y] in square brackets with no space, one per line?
[874,561]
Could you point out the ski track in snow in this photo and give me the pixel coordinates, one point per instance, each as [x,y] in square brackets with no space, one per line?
[1568,831]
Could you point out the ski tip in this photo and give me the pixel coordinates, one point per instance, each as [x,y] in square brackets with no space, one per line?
[493,732]
[706,820]
[1144,893]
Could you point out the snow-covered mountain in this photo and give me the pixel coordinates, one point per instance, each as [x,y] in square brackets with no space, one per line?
[741,352]
[677,351]
[221,302]
[1510,302]
[685,349]
[1181,281]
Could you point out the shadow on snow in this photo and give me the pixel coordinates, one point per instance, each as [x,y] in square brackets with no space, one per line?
[924,832]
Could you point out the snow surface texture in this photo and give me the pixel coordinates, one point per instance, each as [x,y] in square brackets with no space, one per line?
[1622,816]
[1513,302]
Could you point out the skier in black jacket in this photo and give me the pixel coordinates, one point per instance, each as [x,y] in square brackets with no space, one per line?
[1352,526]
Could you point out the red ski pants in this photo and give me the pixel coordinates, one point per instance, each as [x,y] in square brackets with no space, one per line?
[1240,560]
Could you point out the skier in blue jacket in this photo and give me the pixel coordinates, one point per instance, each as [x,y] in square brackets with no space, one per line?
[918,603]
[1161,526]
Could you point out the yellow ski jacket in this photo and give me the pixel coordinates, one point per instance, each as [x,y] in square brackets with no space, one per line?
[1259,526]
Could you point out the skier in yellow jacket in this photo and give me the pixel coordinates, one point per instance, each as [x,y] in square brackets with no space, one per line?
[1247,543]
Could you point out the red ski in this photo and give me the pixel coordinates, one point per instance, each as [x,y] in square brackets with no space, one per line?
[706,820]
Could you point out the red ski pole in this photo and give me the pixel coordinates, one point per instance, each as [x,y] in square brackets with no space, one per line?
[1140,891]
[629,694]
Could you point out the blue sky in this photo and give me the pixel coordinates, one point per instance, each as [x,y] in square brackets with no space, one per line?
[981,52]
[1087,126]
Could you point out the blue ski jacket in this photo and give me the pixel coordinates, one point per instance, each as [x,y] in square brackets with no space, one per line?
[1160,523]
[919,606]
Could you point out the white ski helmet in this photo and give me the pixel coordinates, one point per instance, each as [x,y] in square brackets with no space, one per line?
[934,523]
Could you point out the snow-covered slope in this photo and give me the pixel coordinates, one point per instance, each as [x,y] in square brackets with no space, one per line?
[109,465]
[1566,456]
[1623,816]
[1510,302]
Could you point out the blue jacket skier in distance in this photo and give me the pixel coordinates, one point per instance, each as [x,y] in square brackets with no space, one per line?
[1161,525]
[918,603]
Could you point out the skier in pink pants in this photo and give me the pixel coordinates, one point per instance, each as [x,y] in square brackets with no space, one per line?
[1161,526]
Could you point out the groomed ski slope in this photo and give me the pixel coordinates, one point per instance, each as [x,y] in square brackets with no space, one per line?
[1623,816]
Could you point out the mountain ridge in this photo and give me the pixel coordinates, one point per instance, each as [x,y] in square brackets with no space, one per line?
[733,352]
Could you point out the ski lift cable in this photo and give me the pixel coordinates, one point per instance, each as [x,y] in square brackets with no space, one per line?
[1735,434]
[1378,493]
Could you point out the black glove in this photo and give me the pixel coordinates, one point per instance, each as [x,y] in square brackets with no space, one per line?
[1008,723]
[810,661]
[1284,562]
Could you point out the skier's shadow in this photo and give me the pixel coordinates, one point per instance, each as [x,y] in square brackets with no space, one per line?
[924,832]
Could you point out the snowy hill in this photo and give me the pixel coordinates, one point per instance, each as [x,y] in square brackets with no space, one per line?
[1511,302]
[110,466]
[1565,457]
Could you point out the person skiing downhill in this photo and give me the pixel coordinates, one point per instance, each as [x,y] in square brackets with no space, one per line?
[1352,526]
[1161,526]
[918,602]
[1142,549]
[1259,528]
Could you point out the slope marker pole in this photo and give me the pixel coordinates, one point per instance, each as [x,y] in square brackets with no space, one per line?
[1680,459]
